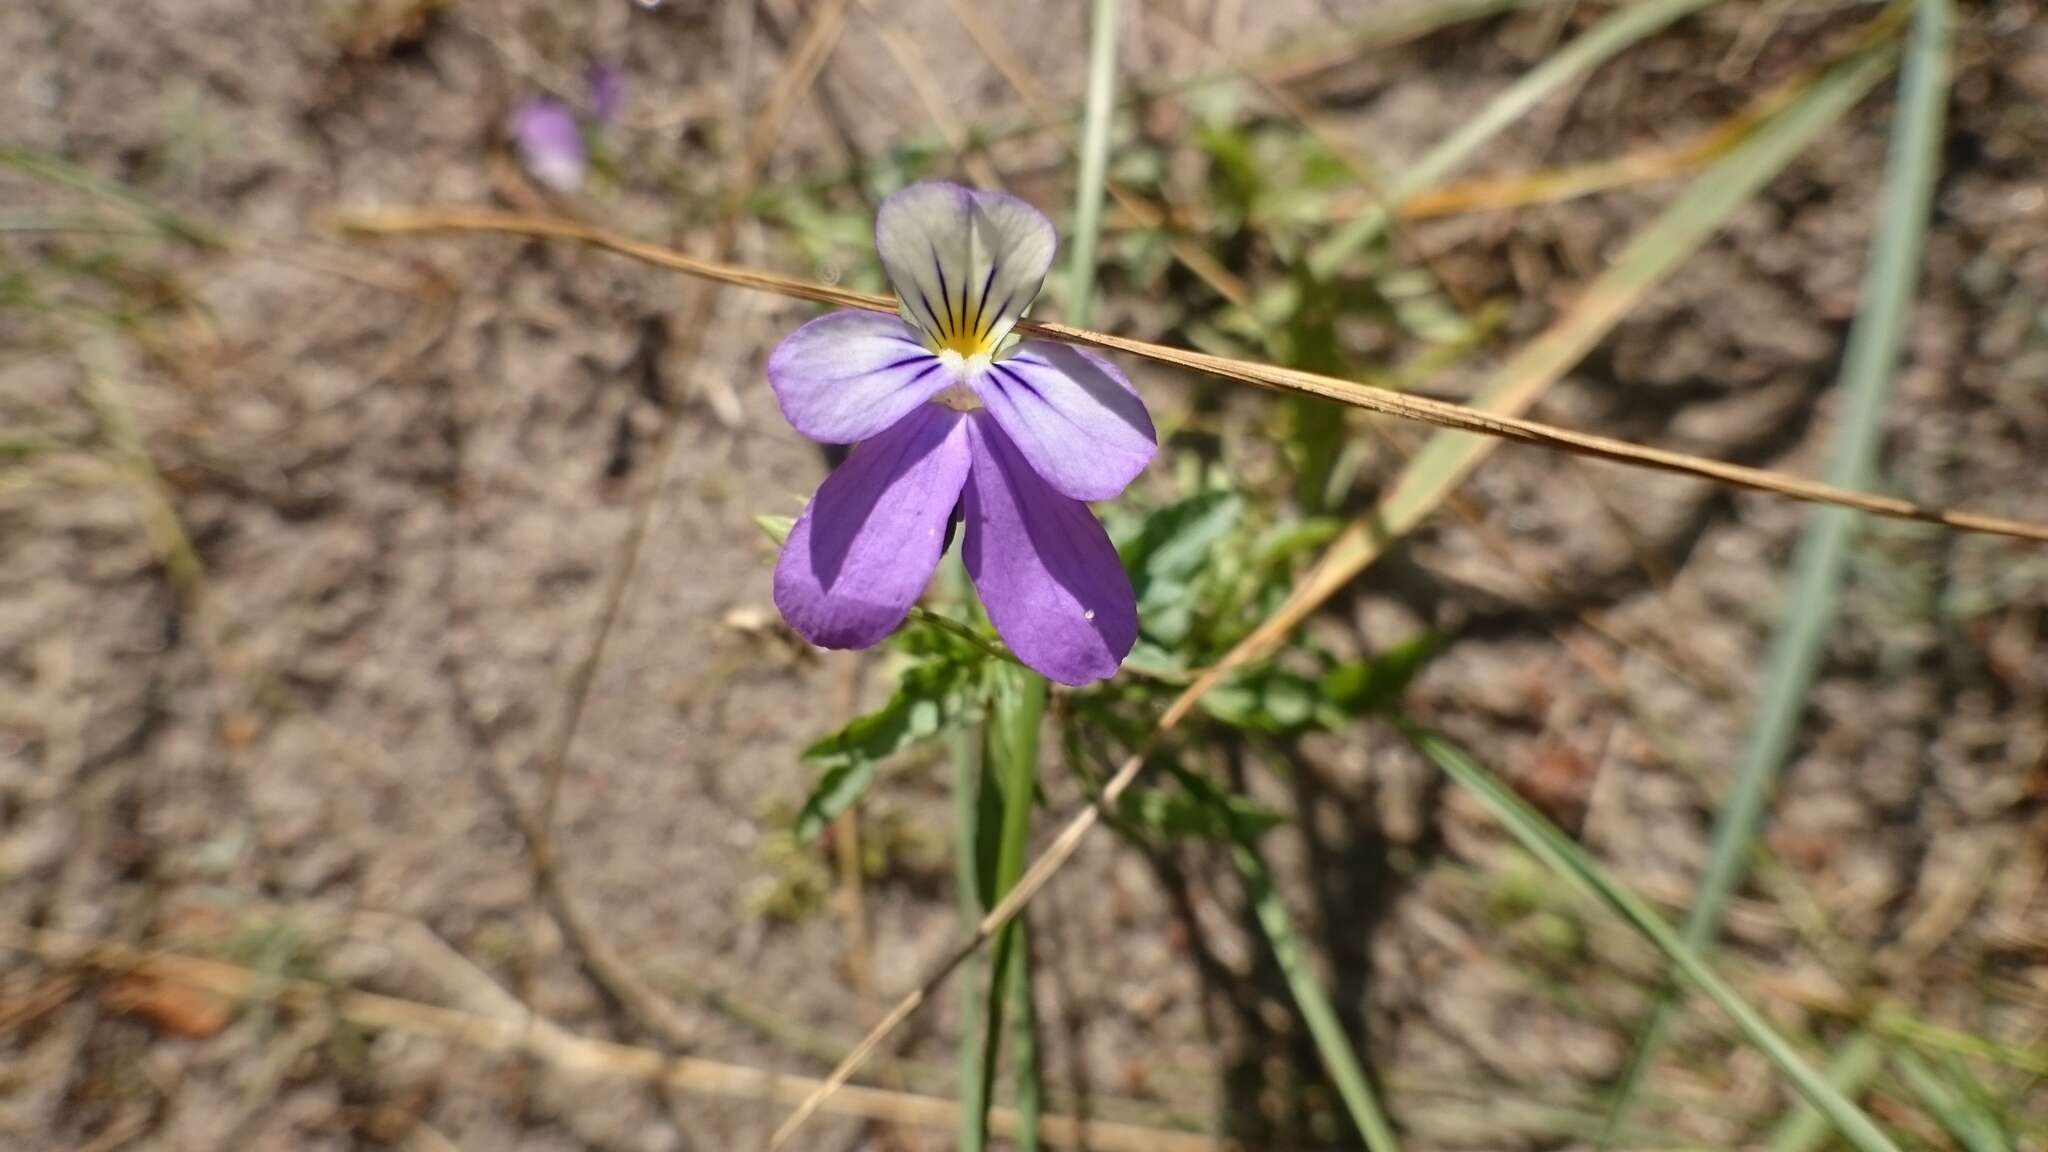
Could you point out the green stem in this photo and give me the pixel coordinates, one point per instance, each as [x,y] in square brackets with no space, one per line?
[1098,117]
[967,834]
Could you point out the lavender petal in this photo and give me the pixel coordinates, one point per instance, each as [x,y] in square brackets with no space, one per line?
[1046,571]
[848,375]
[1073,415]
[866,545]
[550,144]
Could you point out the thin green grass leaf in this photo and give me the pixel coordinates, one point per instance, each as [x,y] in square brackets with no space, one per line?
[1564,856]
[1443,462]
[1346,1072]
[1028,1092]
[69,175]
[1097,118]
[1804,1129]
[1934,1038]
[1975,1129]
[1875,340]
[1627,26]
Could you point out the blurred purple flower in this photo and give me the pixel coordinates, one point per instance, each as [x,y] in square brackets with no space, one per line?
[945,413]
[550,139]
[550,143]
[605,89]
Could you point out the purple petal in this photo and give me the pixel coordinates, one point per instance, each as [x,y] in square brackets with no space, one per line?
[848,375]
[604,87]
[965,264]
[864,548]
[1046,571]
[1073,415]
[550,144]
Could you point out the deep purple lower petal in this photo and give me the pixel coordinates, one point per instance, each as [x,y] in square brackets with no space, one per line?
[1047,573]
[865,547]
[1073,415]
[848,375]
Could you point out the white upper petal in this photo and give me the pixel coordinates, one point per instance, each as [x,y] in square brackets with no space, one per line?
[964,263]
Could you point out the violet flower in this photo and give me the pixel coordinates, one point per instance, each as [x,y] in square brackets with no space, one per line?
[550,143]
[945,411]
[604,86]
[549,137]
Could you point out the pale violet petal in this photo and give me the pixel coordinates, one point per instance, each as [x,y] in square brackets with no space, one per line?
[550,144]
[1046,571]
[964,263]
[1072,414]
[848,375]
[866,545]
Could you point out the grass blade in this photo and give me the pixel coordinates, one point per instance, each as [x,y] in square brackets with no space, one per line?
[1625,27]
[1333,1047]
[69,175]
[1443,462]
[1805,1129]
[1973,1128]
[1098,117]
[1562,855]
[1875,339]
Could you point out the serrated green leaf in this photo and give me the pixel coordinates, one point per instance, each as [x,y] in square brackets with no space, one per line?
[1376,685]
[1173,815]
[932,697]
[1270,700]
[1173,541]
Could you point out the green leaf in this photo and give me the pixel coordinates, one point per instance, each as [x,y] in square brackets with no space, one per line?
[1367,686]
[932,697]
[1009,787]
[1177,815]
[1173,541]
[1804,1129]
[1283,542]
[1266,699]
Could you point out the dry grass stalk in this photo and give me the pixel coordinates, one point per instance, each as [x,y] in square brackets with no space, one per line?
[1385,402]
[548,1042]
